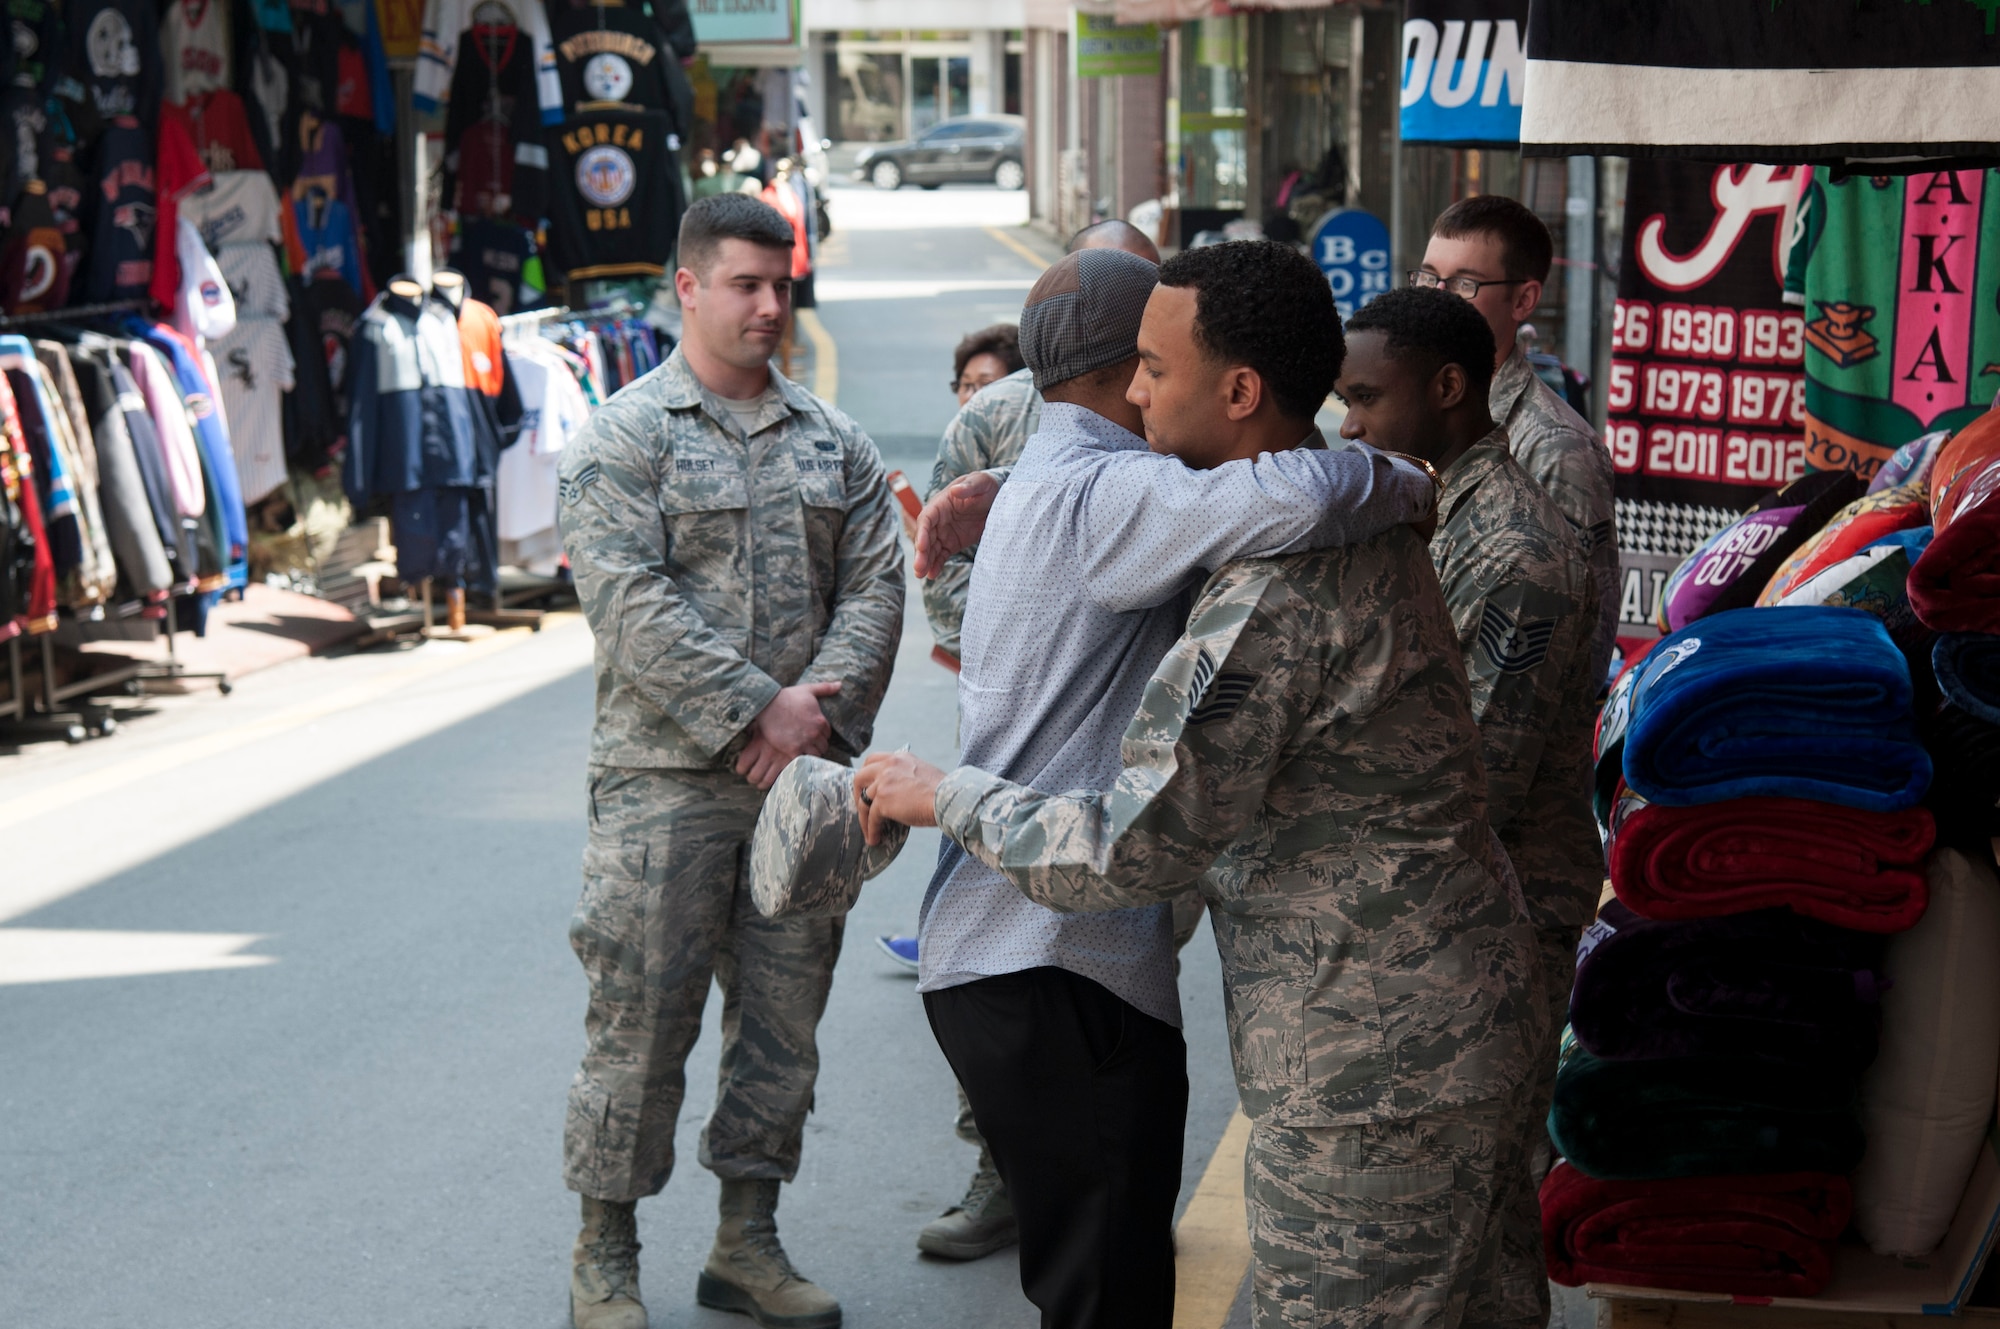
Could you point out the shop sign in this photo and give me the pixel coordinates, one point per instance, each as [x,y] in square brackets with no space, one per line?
[1351,247]
[1106,49]
[732,22]
[1706,401]
[1465,69]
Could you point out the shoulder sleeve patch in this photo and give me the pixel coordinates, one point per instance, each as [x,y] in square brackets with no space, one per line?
[1513,645]
[1221,698]
[572,486]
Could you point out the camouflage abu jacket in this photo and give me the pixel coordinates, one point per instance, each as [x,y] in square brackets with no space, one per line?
[1519,591]
[1306,751]
[1561,453]
[988,431]
[716,568]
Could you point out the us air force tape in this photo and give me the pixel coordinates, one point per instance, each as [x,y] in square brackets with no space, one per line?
[809,857]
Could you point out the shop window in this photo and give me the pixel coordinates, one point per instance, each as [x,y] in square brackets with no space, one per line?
[869,96]
[1214,146]
[1306,111]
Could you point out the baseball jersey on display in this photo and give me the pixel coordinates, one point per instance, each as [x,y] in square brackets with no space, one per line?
[257,370]
[325,232]
[219,128]
[239,207]
[194,38]
[499,264]
[251,272]
[615,207]
[32,274]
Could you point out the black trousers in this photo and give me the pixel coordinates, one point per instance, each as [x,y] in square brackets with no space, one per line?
[1083,1100]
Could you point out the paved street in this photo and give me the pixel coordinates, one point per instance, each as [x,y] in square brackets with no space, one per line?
[287,1009]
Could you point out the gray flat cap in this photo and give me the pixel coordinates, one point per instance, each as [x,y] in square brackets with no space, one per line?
[808,857]
[1084,313]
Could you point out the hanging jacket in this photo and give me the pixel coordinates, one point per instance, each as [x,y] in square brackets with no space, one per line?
[413,420]
[445,23]
[211,432]
[495,163]
[121,488]
[86,571]
[115,404]
[32,555]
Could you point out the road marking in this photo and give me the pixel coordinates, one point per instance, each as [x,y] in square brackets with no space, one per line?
[1212,1241]
[59,955]
[826,356]
[844,289]
[1019,248]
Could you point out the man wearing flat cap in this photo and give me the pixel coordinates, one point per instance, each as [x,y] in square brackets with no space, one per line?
[1064,1030]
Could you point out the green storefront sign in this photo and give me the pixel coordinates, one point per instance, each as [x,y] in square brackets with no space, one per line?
[1106,50]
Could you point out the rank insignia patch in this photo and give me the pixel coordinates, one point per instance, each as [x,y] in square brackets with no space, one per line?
[1513,646]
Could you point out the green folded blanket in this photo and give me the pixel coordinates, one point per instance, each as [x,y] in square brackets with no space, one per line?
[1640,1120]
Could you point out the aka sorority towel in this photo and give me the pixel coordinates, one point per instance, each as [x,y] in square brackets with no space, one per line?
[1844,866]
[1764,986]
[1968,669]
[1749,1236]
[1698,1117]
[1955,586]
[1786,702]
[1855,527]
[1733,565]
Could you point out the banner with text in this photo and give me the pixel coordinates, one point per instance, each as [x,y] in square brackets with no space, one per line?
[1706,398]
[1464,67]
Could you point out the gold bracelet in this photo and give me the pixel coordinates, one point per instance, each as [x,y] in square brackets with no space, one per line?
[1436,480]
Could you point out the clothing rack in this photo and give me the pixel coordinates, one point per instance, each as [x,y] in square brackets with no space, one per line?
[71,314]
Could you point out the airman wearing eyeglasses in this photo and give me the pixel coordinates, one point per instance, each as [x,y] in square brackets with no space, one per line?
[1496,253]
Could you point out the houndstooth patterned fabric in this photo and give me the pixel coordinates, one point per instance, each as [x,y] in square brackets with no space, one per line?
[1673,529]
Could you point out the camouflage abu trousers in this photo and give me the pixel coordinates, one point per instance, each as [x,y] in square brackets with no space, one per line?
[1385,1224]
[1524,1279]
[666,904]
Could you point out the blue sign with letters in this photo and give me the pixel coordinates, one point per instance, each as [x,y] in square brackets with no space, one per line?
[1464,64]
[1352,248]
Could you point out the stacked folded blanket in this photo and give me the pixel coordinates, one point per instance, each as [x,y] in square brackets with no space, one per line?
[1697,1117]
[1756,1236]
[1803,702]
[1841,865]
[1966,797]
[1768,986]
[1955,586]
[1968,669]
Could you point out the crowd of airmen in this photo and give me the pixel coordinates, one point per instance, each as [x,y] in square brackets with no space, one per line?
[1367,755]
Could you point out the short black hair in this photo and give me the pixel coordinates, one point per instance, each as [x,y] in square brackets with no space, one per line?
[1265,305]
[1436,326]
[1002,340]
[722,217]
[1527,250]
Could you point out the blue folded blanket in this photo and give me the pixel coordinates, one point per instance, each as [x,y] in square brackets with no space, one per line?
[1968,669]
[1789,701]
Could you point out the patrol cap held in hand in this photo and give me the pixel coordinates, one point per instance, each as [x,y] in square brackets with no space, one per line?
[1084,313]
[809,857]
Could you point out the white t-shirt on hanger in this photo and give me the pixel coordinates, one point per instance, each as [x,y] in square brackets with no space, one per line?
[255,362]
[241,207]
[251,272]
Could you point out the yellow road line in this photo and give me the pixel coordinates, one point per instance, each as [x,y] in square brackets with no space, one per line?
[826,356]
[150,765]
[1212,1242]
[1018,247]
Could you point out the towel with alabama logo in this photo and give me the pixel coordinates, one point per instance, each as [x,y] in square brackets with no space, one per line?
[616,206]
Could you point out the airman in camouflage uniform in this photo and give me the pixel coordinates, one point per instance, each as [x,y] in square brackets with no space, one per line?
[717,561]
[1518,587]
[1561,453]
[987,433]
[1307,753]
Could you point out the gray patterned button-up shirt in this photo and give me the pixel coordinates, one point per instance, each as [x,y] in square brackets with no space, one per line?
[1086,571]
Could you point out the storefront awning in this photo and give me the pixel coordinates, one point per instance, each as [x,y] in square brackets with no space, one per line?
[1186,11]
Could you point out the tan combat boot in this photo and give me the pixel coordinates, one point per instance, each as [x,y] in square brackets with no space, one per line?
[604,1281]
[980,1224]
[748,1271]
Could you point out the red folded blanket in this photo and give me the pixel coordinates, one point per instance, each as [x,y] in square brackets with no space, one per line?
[1768,1236]
[1845,866]
[1955,586]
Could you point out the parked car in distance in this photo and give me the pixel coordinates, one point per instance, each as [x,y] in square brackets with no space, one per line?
[978,148]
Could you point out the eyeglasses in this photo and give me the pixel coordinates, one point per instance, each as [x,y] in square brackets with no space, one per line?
[970,384]
[1465,288]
